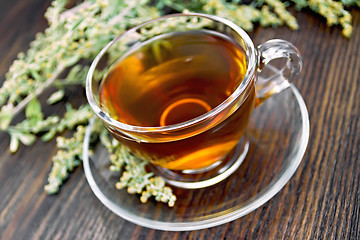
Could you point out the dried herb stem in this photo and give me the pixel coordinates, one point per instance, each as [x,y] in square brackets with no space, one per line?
[39,90]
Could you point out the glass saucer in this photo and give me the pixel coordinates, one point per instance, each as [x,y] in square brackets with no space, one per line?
[278,134]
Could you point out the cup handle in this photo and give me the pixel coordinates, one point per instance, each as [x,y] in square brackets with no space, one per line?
[280,78]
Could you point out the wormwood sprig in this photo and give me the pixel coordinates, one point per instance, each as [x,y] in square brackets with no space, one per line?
[333,11]
[71,119]
[71,36]
[68,156]
[34,123]
[272,13]
[66,159]
[134,176]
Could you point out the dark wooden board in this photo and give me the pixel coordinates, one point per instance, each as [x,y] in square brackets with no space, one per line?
[321,201]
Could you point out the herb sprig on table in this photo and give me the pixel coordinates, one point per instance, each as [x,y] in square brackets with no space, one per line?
[74,35]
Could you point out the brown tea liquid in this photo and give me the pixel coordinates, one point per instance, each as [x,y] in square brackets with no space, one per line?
[172,79]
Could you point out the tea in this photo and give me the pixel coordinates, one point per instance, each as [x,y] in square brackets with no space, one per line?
[174,78]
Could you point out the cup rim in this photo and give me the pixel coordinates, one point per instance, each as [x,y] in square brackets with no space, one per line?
[252,60]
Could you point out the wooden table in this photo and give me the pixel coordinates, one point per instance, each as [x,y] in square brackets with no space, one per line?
[321,201]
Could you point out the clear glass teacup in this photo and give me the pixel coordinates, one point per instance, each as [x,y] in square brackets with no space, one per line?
[179,91]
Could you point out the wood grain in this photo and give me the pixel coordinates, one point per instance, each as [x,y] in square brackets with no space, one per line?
[321,201]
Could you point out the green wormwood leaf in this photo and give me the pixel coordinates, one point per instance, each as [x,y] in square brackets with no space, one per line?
[33,109]
[56,97]
[5,117]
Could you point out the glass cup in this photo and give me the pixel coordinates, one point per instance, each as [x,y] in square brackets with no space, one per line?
[206,149]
